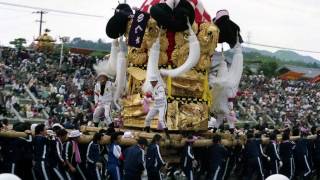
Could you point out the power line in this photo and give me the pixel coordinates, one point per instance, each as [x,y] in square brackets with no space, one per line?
[52,10]
[99,16]
[281,47]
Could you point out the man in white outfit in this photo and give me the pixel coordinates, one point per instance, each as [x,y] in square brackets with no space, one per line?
[103,97]
[159,106]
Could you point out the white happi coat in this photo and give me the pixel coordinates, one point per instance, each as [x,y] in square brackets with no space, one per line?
[107,97]
[159,106]
[103,102]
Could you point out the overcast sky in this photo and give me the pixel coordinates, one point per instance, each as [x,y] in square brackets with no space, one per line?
[288,23]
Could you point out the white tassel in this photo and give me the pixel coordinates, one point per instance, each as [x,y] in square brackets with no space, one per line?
[226,84]
[112,62]
[121,74]
[192,60]
[153,66]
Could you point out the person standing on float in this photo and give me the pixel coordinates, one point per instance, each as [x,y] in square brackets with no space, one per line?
[103,97]
[159,107]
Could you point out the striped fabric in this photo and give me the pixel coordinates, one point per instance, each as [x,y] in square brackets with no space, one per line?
[201,15]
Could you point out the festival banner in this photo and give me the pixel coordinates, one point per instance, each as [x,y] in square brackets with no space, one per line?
[138,27]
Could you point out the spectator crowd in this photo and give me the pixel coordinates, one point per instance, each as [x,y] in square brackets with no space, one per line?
[65,93]
[288,103]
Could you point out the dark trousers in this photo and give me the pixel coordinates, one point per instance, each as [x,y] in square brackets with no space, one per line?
[154,175]
[93,172]
[78,175]
[115,172]
[217,172]
[132,177]
[303,168]
[59,173]
[274,167]
[288,168]
[189,173]
[253,168]
[41,170]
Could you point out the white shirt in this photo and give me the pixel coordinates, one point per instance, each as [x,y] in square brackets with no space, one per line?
[107,97]
[159,96]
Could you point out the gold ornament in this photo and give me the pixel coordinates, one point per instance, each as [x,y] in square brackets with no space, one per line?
[208,38]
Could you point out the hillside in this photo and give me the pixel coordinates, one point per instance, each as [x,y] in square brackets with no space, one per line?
[285,56]
[250,54]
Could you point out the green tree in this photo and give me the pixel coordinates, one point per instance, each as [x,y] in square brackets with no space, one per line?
[98,54]
[269,68]
[18,43]
[247,70]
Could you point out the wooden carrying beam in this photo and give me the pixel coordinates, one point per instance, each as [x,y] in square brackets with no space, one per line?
[177,140]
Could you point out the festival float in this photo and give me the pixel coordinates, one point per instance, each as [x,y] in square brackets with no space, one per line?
[174,40]
[45,43]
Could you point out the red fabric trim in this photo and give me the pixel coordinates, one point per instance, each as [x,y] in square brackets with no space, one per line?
[171,40]
[121,157]
[206,16]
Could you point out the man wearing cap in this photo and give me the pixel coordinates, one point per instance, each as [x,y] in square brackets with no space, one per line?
[58,163]
[134,160]
[72,156]
[159,107]
[103,96]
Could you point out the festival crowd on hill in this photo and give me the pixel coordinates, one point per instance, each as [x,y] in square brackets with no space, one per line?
[288,103]
[66,93]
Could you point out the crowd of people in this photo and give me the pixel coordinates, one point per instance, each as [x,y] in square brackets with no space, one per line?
[58,154]
[65,93]
[288,103]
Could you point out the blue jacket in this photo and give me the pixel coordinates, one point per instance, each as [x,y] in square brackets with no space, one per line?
[301,150]
[20,149]
[272,151]
[317,148]
[251,149]
[134,161]
[93,153]
[218,155]
[41,148]
[286,149]
[113,156]
[154,161]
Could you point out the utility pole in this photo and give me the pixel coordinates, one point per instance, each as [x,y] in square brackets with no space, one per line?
[41,20]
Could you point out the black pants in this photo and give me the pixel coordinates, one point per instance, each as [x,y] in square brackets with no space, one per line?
[288,168]
[154,175]
[217,172]
[253,167]
[78,175]
[59,173]
[132,177]
[189,173]
[41,170]
[93,172]
[274,167]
